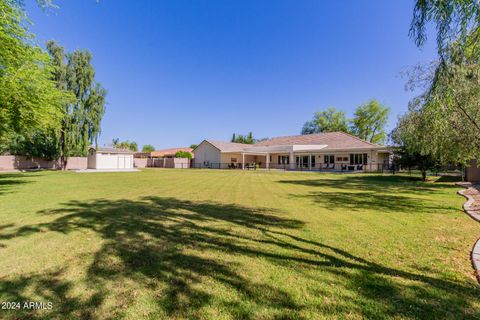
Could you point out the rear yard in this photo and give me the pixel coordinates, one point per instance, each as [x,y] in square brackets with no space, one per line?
[214,244]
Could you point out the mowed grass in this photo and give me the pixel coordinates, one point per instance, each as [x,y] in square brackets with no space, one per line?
[201,244]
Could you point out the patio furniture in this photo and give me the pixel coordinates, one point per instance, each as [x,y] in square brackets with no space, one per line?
[351,168]
[344,167]
[249,166]
[360,167]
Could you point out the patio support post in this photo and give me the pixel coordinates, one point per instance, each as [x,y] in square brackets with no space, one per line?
[243,161]
[292,160]
[371,159]
[267,161]
[310,162]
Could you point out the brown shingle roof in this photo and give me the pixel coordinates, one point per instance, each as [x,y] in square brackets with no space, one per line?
[333,140]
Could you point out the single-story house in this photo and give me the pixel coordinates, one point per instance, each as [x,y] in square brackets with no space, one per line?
[110,158]
[337,151]
[164,153]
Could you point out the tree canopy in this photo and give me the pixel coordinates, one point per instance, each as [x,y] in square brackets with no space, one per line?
[126,145]
[147,148]
[369,121]
[455,21]
[240,138]
[447,111]
[50,104]
[183,154]
[408,138]
[329,120]
[81,119]
[30,101]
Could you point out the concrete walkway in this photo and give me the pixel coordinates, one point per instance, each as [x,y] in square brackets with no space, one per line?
[472,208]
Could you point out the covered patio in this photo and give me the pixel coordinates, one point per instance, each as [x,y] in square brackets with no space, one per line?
[245,160]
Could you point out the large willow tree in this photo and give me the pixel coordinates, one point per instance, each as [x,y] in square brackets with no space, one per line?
[81,119]
[455,21]
[449,108]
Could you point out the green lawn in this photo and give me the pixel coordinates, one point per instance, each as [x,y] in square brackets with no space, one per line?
[231,244]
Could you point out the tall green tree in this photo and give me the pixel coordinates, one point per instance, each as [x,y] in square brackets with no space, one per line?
[30,101]
[147,148]
[126,145]
[408,139]
[369,121]
[81,119]
[310,127]
[240,138]
[449,104]
[329,120]
[450,108]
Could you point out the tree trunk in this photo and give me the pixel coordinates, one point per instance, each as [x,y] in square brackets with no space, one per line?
[424,175]
[63,158]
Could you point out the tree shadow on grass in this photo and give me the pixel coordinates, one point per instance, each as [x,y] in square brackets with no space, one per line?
[360,201]
[160,243]
[8,181]
[449,178]
[376,183]
[183,253]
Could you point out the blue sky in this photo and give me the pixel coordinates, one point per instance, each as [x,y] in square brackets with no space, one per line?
[179,71]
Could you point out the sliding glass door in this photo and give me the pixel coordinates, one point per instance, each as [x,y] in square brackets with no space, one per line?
[302,162]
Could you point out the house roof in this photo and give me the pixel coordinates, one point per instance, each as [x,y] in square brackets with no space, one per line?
[168,152]
[112,150]
[324,141]
[229,146]
[332,140]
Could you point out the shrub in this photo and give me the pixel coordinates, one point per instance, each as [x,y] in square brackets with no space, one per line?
[183,154]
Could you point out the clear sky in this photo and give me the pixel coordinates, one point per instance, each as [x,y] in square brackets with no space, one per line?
[180,71]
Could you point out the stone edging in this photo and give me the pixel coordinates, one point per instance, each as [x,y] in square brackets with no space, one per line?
[469,208]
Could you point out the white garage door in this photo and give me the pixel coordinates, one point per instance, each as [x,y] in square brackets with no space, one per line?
[114,161]
[107,161]
[128,162]
[121,162]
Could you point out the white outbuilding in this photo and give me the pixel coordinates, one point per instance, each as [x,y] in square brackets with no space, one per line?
[110,158]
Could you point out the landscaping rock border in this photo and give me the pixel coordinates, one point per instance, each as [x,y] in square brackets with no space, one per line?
[472,208]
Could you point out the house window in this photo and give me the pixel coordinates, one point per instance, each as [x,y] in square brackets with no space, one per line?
[283,160]
[329,158]
[358,158]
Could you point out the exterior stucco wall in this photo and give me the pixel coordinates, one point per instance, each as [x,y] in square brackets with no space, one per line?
[227,158]
[177,163]
[205,152]
[26,163]
[374,159]
[140,162]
